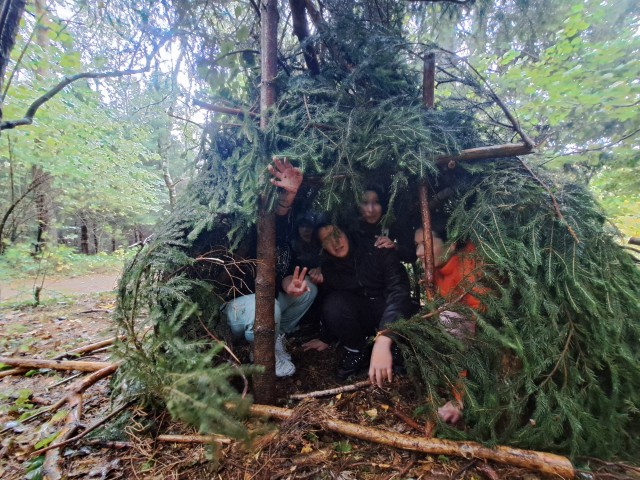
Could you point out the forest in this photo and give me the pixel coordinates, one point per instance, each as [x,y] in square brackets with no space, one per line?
[144,132]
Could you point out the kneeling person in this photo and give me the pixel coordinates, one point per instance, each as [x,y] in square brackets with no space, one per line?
[368,290]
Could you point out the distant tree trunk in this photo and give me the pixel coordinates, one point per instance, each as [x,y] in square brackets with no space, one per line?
[96,240]
[264,327]
[10,14]
[44,233]
[84,235]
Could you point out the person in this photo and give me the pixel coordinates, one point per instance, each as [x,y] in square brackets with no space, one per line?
[295,294]
[306,250]
[366,292]
[370,226]
[456,276]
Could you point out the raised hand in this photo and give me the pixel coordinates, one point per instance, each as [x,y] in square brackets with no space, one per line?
[296,285]
[286,176]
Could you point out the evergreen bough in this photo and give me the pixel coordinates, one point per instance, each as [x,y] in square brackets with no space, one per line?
[554,364]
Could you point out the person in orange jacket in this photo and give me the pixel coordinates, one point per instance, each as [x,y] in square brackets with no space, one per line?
[456,276]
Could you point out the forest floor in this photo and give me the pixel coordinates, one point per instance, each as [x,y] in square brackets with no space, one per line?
[128,448]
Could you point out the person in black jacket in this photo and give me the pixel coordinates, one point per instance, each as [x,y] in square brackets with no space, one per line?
[371,208]
[368,289]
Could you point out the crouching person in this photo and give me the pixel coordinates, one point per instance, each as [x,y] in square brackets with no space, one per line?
[295,294]
[367,290]
[456,278]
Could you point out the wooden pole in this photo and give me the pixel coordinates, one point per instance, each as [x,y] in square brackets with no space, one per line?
[264,326]
[428,98]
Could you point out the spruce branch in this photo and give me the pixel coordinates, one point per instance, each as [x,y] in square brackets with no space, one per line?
[556,207]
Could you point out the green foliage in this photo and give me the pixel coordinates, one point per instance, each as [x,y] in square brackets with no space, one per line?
[18,261]
[562,312]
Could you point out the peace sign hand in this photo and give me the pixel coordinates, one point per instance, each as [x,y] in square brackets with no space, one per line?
[296,285]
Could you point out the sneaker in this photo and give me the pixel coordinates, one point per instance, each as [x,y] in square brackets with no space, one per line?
[284,365]
[280,348]
[352,363]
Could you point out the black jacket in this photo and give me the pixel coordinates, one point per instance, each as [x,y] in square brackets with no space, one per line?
[370,273]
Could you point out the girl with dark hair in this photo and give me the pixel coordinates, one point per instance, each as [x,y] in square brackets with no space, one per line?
[366,290]
[372,207]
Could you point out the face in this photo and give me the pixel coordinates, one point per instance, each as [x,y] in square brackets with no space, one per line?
[440,253]
[334,241]
[370,207]
[305,232]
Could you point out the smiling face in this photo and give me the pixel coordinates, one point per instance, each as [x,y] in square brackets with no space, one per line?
[334,241]
[370,207]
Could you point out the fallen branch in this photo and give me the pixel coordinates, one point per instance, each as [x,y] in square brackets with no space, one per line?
[546,463]
[54,364]
[89,348]
[51,467]
[85,383]
[85,432]
[13,371]
[331,391]
[205,439]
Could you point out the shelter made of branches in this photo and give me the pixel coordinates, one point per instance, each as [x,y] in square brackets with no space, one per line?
[554,364]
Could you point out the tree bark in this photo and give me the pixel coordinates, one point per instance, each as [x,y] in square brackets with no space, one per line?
[264,326]
[10,14]
[301,30]
[428,99]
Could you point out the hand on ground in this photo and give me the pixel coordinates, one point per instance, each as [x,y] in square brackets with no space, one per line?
[315,344]
[450,412]
[380,367]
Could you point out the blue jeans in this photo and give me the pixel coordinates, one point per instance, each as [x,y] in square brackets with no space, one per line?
[241,312]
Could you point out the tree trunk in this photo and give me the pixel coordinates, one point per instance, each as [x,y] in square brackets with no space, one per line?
[264,326]
[84,235]
[10,14]
[301,30]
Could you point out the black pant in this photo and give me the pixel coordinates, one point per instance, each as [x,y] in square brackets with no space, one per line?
[352,318]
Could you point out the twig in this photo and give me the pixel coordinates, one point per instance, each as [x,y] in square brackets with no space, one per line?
[406,419]
[92,347]
[204,439]
[65,380]
[332,391]
[86,432]
[553,199]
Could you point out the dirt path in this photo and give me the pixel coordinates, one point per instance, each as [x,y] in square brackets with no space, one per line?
[22,290]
